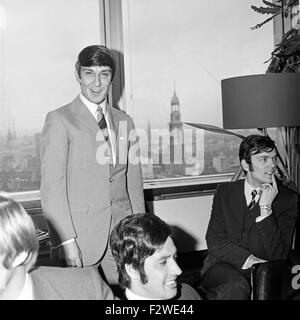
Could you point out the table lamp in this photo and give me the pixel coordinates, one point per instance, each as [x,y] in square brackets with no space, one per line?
[262,101]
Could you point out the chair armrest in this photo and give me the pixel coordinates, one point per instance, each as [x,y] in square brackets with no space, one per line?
[267,279]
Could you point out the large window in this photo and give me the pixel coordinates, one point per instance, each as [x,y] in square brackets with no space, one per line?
[39,43]
[175,54]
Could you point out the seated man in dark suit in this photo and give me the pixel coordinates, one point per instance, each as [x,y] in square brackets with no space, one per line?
[146,259]
[18,253]
[252,221]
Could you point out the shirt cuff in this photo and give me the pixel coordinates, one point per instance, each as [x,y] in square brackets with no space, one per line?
[63,243]
[260,218]
[246,264]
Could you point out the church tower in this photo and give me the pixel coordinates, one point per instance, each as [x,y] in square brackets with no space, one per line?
[176,138]
[175,125]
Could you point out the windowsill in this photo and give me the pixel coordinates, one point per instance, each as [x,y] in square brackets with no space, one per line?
[187,181]
[25,196]
[157,185]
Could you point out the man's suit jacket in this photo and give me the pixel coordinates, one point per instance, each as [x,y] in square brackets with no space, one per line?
[269,239]
[184,292]
[52,283]
[78,193]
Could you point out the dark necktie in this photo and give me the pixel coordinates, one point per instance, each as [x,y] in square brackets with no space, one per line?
[252,203]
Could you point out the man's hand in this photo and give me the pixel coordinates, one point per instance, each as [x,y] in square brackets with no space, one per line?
[268,192]
[71,254]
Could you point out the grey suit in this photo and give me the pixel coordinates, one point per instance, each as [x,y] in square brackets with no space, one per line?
[51,283]
[82,198]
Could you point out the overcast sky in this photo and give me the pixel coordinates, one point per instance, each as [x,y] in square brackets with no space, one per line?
[192,43]
[196,44]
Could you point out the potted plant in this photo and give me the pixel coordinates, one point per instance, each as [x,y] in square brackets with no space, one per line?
[286,55]
[285,58]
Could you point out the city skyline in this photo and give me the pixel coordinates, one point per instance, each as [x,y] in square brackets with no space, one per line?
[167,153]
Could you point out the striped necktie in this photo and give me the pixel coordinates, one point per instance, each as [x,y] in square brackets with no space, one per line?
[99,114]
[252,203]
[102,122]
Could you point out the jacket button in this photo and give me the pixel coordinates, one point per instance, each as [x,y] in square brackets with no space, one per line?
[110,179]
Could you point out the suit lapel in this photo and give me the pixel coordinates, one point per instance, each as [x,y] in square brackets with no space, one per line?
[255,212]
[240,199]
[113,120]
[88,122]
[239,202]
[279,201]
[84,116]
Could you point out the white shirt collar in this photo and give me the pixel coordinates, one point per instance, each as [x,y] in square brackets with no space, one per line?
[27,291]
[93,106]
[93,110]
[248,190]
[132,296]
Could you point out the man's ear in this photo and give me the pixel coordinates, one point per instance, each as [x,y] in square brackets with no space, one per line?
[77,76]
[133,273]
[245,165]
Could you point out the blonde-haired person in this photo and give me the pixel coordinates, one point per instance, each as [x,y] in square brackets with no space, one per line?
[20,280]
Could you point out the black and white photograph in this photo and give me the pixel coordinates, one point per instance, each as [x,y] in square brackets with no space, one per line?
[149,150]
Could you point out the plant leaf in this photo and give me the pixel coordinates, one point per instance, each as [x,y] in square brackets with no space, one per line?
[213,129]
[292,50]
[266,10]
[264,22]
[270,4]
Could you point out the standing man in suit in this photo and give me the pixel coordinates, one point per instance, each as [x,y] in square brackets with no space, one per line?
[90,168]
[19,280]
[252,221]
[146,258]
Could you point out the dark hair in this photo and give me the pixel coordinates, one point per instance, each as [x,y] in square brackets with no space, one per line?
[96,55]
[254,144]
[135,238]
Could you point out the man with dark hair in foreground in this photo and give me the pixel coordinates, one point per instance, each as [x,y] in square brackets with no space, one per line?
[146,259]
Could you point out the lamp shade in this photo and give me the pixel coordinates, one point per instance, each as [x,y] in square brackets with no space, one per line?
[261,101]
